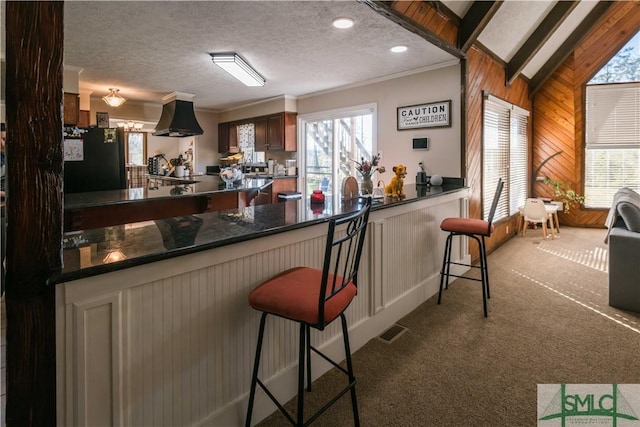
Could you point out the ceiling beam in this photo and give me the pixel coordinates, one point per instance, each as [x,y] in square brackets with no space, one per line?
[568,46]
[384,8]
[475,20]
[545,30]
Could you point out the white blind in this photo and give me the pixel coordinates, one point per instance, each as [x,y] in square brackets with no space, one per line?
[504,156]
[518,165]
[613,114]
[612,158]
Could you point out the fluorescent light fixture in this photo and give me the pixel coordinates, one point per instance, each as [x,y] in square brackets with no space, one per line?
[342,23]
[113,99]
[398,49]
[238,68]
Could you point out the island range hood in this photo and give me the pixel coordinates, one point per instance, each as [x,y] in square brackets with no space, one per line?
[178,118]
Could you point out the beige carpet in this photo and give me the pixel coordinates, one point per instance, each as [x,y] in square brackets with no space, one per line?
[549,322]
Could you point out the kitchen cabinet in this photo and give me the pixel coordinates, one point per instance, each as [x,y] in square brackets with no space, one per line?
[274,132]
[282,132]
[84,119]
[260,133]
[71,104]
[227,137]
[282,184]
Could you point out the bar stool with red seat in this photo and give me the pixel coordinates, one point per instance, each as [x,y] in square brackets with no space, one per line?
[477,229]
[314,298]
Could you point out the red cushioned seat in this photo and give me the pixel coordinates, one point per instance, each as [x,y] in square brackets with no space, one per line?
[295,293]
[314,298]
[476,229]
[467,226]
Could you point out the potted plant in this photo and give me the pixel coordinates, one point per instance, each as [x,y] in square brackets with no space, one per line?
[179,165]
[564,193]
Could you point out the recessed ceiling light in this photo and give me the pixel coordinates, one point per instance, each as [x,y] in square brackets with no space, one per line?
[343,23]
[398,49]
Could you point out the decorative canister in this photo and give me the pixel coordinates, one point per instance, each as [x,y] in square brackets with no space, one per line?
[317,196]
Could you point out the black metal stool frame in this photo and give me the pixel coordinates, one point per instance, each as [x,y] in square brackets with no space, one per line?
[445,271]
[356,231]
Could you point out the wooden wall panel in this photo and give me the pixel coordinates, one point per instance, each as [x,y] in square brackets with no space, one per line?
[484,74]
[559,107]
[426,16]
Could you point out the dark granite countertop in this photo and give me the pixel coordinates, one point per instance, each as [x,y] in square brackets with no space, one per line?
[152,241]
[194,185]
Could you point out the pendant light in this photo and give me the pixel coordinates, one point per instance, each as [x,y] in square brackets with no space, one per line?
[113,99]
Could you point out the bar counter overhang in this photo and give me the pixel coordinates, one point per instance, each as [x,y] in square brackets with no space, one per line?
[166,336]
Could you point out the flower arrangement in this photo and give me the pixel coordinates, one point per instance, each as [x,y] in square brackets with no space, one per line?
[367,168]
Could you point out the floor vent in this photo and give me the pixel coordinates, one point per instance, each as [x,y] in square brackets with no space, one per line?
[391,334]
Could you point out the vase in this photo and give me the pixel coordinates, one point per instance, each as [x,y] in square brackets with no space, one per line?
[367,185]
[179,173]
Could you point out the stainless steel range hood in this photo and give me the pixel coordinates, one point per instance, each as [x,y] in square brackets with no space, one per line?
[178,118]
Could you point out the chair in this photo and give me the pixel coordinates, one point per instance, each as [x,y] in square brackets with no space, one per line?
[314,298]
[324,185]
[477,229]
[534,211]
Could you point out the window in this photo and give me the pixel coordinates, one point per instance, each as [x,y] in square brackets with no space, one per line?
[504,156]
[612,129]
[136,148]
[332,141]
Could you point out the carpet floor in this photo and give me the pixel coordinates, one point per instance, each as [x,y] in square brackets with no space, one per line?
[549,323]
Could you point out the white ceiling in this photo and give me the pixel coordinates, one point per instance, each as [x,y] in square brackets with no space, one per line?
[149,49]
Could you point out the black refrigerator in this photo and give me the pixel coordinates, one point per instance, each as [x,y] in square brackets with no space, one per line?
[94,160]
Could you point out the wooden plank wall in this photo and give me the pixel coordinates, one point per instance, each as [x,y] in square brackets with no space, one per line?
[559,107]
[425,15]
[483,74]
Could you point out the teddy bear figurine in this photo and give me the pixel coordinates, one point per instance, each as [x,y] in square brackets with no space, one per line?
[396,187]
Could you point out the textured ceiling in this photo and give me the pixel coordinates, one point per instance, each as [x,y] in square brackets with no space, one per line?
[149,49]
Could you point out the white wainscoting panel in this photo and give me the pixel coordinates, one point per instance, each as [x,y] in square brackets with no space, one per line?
[172,343]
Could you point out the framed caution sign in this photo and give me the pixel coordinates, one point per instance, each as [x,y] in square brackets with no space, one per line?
[431,115]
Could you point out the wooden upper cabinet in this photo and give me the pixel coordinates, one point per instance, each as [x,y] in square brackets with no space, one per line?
[223,137]
[227,137]
[233,137]
[275,132]
[84,120]
[260,133]
[282,132]
[71,109]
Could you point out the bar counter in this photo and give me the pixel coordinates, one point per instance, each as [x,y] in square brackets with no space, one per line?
[101,250]
[183,187]
[162,197]
[167,337]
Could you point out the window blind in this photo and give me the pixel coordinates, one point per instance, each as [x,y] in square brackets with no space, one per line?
[613,114]
[504,156]
[612,158]
[518,165]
